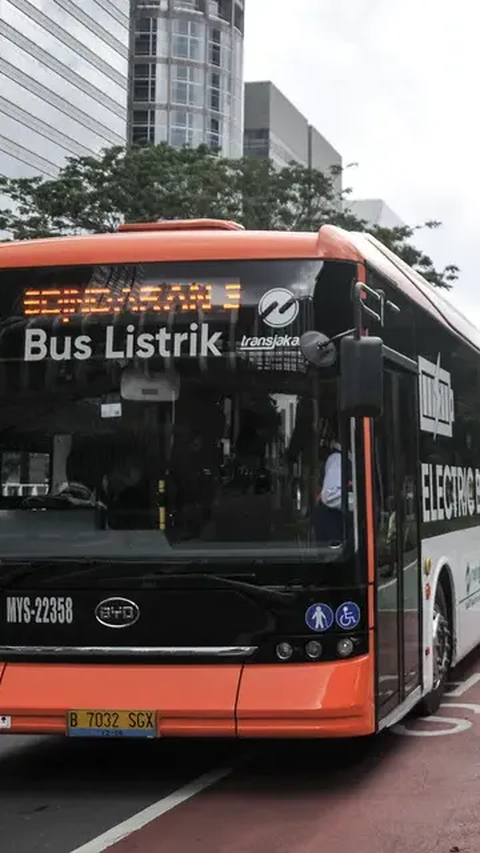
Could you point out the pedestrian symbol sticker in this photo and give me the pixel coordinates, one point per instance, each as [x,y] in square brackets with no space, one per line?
[348,615]
[319,617]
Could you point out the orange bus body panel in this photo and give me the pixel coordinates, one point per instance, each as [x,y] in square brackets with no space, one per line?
[299,700]
[189,700]
[307,700]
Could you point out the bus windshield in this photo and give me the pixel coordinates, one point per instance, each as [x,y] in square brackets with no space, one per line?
[150,410]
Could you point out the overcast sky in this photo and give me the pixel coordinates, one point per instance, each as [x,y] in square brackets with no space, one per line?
[393,86]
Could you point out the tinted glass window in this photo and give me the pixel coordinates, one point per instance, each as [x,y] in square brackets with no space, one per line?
[161,407]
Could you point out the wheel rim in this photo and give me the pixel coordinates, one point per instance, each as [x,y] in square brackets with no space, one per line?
[441,646]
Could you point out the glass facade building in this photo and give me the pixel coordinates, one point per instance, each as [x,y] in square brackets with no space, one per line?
[187,73]
[63,81]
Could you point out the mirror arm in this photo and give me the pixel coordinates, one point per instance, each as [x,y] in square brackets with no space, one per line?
[338,337]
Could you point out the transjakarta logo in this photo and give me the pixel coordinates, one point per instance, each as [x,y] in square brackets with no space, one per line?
[437,413]
[124,343]
[278,307]
[449,491]
[269,343]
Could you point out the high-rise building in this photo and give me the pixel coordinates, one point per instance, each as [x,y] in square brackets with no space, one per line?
[375,211]
[187,73]
[276,130]
[63,81]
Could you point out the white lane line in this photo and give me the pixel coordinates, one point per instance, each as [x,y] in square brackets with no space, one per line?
[138,821]
[387,584]
[463,686]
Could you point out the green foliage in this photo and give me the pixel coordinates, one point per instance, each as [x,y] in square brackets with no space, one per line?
[397,239]
[141,184]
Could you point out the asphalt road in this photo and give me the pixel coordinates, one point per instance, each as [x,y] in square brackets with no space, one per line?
[413,790]
[56,794]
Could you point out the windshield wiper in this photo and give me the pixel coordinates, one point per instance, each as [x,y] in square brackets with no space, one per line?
[21,569]
[75,566]
[159,577]
[259,593]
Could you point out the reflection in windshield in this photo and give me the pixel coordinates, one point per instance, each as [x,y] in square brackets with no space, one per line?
[129,456]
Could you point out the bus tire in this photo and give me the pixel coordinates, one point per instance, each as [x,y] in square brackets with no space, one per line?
[442,654]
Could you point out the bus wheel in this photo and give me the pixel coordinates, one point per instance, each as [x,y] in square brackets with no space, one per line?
[442,654]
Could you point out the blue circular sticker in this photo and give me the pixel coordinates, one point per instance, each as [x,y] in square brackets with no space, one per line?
[319,617]
[348,615]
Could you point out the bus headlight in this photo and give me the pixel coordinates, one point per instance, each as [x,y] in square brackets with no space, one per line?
[284,651]
[345,647]
[313,650]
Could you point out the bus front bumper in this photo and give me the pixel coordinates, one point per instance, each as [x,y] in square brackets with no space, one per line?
[250,701]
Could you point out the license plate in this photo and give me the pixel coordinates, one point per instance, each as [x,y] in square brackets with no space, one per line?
[97,723]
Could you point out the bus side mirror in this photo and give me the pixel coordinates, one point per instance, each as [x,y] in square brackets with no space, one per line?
[361,377]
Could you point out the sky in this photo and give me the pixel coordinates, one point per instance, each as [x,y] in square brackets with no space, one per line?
[393,86]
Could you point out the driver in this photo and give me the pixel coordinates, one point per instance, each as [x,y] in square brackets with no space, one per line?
[328,520]
[126,494]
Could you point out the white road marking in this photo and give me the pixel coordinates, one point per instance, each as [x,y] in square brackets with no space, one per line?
[458,726]
[386,584]
[389,583]
[469,706]
[463,686]
[138,821]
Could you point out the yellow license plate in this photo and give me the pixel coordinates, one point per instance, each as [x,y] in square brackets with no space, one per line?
[97,723]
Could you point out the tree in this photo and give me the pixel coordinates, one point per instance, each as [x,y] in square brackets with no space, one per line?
[139,184]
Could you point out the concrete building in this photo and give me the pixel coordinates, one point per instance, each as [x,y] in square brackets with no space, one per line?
[187,73]
[63,81]
[275,129]
[375,211]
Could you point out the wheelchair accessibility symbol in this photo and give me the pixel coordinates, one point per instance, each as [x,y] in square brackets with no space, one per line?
[348,615]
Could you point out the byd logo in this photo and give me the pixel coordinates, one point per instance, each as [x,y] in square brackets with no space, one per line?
[117,612]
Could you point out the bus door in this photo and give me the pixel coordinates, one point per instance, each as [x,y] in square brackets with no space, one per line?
[399,661]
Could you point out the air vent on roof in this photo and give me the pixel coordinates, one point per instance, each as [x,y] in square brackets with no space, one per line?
[183,225]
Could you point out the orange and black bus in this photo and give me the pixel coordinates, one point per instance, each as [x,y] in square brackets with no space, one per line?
[173,399]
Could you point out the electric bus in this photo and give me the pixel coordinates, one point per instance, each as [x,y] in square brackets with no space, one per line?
[173,399]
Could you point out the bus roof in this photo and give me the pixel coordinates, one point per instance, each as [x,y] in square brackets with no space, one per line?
[200,240]
[162,242]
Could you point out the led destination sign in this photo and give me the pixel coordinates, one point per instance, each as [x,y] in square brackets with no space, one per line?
[159,298]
